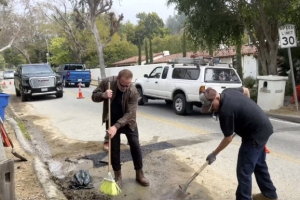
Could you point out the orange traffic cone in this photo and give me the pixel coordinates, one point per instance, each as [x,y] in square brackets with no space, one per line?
[267,150]
[80,93]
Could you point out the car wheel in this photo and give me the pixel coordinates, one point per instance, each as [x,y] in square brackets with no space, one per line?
[24,97]
[87,84]
[140,101]
[65,84]
[179,104]
[17,92]
[59,95]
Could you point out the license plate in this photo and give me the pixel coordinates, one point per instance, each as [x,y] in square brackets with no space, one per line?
[79,79]
[44,89]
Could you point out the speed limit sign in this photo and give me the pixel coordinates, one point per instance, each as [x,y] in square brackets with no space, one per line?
[287,36]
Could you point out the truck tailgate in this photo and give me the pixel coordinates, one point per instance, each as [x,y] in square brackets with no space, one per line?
[79,75]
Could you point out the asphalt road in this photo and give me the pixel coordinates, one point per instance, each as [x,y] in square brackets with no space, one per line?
[81,119]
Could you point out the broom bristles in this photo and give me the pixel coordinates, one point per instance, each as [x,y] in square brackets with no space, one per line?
[109,186]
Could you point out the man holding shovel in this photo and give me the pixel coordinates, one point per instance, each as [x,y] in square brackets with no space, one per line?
[238,113]
[124,98]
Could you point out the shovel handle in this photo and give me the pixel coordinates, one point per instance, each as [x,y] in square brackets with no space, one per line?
[198,172]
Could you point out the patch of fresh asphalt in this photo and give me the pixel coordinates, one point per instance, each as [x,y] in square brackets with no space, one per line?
[220,177]
[146,149]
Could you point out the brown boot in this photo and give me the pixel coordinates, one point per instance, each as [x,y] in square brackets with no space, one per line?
[118,178]
[140,178]
[260,196]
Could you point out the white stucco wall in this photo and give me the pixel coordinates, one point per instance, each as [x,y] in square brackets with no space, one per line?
[137,70]
[226,60]
[250,66]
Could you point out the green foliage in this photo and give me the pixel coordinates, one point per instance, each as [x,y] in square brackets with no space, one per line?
[253,94]
[13,57]
[249,82]
[60,48]
[285,65]
[117,51]
[210,23]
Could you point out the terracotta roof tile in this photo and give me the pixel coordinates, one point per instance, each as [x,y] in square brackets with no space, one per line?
[231,51]
[135,59]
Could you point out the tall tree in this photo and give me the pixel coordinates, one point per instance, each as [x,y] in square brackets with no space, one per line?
[154,26]
[73,28]
[88,11]
[226,19]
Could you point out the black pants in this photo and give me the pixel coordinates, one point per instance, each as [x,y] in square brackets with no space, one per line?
[135,149]
[252,158]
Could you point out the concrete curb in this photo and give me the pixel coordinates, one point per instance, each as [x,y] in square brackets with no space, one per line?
[289,118]
[50,189]
[47,184]
[20,137]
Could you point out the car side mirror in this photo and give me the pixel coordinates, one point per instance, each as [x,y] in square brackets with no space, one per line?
[16,74]
[146,75]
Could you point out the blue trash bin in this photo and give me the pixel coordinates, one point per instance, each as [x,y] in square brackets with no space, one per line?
[4,99]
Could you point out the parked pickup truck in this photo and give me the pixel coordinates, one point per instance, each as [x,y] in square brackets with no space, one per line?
[181,84]
[36,80]
[74,73]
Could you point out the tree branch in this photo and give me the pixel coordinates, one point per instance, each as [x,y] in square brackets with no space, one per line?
[23,53]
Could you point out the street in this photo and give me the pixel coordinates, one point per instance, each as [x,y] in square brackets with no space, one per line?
[193,138]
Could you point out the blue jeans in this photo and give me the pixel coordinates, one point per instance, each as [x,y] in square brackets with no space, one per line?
[252,158]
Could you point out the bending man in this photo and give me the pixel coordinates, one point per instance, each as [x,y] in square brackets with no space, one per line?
[238,113]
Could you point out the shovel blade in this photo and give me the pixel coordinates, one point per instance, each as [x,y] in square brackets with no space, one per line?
[18,156]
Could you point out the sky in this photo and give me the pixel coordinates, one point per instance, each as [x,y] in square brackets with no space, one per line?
[130,8]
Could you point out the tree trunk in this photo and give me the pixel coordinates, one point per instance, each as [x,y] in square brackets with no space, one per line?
[239,58]
[99,48]
[184,44]
[150,53]
[140,53]
[146,51]
[23,53]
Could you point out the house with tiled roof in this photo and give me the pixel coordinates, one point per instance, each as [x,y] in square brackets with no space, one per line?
[135,59]
[226,55]
[249,58]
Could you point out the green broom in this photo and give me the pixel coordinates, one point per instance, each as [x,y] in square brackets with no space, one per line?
[109,185]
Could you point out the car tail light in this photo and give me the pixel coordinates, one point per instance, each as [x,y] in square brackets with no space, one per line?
[68,74]
[201,89]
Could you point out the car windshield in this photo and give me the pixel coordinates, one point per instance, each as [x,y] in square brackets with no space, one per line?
[36,69]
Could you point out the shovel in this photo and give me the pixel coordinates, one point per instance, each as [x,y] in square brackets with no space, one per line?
[180,193]
[8,142]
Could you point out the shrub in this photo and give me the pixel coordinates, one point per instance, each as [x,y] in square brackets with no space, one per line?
[249,82]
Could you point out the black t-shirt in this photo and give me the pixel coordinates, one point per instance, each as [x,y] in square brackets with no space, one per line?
[241,115]
[116,107]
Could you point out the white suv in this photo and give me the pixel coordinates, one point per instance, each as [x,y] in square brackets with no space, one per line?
[181,84]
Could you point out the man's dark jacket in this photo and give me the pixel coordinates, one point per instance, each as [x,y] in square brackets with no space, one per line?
[130,100]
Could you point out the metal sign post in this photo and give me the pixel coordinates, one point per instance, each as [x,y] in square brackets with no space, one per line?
[287,37]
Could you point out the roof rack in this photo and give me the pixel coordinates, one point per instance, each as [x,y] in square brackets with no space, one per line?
[200,61]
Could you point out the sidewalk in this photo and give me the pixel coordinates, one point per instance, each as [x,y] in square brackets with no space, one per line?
[287,112]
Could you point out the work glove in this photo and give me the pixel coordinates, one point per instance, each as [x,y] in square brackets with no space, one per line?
[211,158]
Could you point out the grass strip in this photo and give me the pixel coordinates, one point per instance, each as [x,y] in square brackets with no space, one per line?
[23,129]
